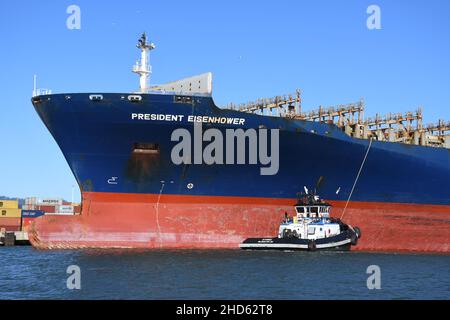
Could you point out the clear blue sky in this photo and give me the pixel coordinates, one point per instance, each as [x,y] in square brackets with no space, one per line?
[254,49]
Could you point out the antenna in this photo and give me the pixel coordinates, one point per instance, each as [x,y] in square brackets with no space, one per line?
[34,85]
[143,68]
[38,92]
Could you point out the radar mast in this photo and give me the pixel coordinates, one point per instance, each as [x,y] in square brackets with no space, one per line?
[143,67]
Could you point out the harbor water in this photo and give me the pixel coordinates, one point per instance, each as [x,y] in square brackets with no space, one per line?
[28,273]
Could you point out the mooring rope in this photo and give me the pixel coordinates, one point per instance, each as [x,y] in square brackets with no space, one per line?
[357,177]
[157,214]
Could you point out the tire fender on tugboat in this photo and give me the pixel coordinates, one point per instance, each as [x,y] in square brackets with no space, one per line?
[355,235]
[357,231]
[312,245]
[354,239]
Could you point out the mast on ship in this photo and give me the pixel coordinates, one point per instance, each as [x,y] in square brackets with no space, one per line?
[143,67]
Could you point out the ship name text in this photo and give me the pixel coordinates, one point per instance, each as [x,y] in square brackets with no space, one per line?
[190,118]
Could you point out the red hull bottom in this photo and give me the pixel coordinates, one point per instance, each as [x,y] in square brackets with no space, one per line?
[144,221]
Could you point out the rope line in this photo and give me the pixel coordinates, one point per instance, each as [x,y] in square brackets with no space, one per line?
[357,177]
[157,214]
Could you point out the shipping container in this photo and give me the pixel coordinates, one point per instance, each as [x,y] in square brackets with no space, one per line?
[11,228]
[65,209]
[32,213]
[10,213]
[9,204]
[10,223]
[31,200]
[47,209]
[61,213]
[28,207]
[51,202]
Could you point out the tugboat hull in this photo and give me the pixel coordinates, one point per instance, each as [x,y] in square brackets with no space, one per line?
[341,242]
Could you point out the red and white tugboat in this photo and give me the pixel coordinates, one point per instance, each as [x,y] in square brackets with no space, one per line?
[310,229]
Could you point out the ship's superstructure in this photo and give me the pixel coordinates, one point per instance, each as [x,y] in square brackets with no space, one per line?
[120,148]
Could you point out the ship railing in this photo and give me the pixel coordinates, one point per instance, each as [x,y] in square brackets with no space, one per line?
[345,113]
[440,127]
[288,101]
[137,67]
[41,92]
[394,127]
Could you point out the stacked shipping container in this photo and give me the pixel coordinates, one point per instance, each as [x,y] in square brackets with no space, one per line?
[12,218]
[10,215]
[52,206]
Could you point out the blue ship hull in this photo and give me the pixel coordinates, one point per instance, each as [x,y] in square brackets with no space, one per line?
[96,138]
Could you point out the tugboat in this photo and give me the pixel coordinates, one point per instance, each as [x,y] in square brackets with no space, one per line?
[310,229]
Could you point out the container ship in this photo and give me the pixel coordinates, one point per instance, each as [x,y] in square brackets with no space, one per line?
[390,175]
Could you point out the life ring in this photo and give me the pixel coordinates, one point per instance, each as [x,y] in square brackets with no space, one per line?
[312,245]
